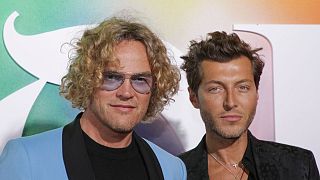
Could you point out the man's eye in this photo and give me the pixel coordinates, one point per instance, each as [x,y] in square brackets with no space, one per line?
[244,88]
[215,90]
[142,80]
[112,77]
[139,78]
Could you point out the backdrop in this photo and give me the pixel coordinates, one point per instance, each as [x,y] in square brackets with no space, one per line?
[34,57]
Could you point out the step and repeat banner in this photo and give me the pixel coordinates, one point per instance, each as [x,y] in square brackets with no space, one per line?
[34,57]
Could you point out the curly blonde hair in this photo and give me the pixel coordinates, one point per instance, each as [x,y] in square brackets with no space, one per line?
[95,51]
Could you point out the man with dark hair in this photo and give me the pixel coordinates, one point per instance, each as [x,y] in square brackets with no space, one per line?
[223,74]
[119,76]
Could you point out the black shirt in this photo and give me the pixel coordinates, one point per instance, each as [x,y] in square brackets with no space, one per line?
[196,161]
[249,162]
[115,163]
[263,159]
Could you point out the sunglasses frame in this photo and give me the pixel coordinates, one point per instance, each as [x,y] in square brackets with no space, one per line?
[130,76]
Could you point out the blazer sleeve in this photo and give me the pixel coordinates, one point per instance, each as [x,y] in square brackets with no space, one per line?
[313,172]
[14,162]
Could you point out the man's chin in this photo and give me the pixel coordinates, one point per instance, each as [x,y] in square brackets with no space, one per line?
[122,130]
[231,135]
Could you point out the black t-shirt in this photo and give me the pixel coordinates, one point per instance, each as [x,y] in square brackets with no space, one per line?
[115,163]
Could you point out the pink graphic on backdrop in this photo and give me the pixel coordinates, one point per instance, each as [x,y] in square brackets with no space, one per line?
[263,126]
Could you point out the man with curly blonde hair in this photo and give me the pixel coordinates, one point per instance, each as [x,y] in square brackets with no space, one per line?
[120,75]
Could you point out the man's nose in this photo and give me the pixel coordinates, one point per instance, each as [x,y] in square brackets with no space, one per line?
[230,101]
[125,91]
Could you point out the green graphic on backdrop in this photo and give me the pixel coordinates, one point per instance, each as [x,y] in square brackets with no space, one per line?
[49,111]
[36,16]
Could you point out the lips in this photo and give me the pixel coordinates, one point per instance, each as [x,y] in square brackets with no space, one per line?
[123,107]
[231,117]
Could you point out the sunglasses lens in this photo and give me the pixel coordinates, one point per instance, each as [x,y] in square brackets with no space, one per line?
[112,81]
[140,82]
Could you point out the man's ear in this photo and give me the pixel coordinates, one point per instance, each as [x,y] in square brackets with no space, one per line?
[193,98]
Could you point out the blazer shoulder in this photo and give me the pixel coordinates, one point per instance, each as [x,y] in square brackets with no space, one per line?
[14,158]
[36,144]
[281,148]
[54,136]
[33,156]
[296,159]
[172,167]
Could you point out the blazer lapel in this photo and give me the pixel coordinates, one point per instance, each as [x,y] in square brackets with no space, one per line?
[264,155]
[76,160]
[152,164]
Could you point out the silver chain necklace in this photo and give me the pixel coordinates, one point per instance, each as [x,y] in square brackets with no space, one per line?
[235,165]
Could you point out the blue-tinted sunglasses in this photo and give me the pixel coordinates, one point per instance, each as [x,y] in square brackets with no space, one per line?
[140,82]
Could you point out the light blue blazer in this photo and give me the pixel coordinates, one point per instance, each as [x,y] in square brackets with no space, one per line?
[43,157]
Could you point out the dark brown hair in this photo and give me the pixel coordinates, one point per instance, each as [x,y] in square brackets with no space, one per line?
[219,47]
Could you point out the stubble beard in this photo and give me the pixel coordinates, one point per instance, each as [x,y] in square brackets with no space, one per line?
[215,127]
[113,125]
[120,128]
[107,119]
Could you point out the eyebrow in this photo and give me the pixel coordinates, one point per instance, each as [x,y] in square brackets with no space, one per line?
[214,82]
[221,83]
[244,81]
[145,73]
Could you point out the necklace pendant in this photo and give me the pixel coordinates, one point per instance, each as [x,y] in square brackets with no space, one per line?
[235,165]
